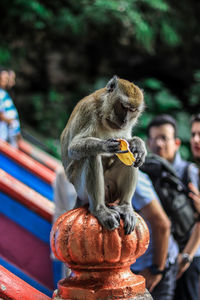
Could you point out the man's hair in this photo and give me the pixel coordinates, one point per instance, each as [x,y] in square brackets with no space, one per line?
[162,120]
[2,69]
[195,118]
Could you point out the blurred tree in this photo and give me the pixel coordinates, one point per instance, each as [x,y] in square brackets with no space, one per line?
[159,99]
[62,50]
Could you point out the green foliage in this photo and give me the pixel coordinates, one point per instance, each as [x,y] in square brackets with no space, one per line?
[54,146]
[52,114]
[144,40]
[160,99]
[183,121]
[34,13]
[4,56]
[185,152]
[194,93]
[169,34]
[165,101]
[140,20]
[160,5]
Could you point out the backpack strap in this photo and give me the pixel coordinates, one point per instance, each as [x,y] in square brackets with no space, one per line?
[194,168]
[163,162]
[186,173]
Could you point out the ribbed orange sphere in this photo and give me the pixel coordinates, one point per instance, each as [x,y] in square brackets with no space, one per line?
[100,259]
[78,239]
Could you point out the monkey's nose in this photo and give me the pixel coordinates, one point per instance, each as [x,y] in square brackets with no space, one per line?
[123,121]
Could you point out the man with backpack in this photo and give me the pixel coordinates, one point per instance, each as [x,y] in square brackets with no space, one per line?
[158,264]
[163,141]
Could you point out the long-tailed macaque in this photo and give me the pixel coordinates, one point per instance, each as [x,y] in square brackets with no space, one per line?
[89,143]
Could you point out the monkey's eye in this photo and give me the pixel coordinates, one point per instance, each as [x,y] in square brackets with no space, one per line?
[133,109]
[124,107]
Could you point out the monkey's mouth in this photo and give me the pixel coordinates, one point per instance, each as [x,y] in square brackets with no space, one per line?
[112,124]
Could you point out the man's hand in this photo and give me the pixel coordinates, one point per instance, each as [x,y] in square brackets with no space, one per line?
[9,121]
[151,280]
[195,196]
[182,266]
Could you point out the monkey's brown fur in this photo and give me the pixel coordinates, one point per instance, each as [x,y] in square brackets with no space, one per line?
[89,143]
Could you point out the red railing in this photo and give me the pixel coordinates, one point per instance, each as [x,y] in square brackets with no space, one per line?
[27,162]
[26,195]
[41,156]
[14,288]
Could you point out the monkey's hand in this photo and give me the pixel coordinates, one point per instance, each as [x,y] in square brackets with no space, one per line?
[127,214]
[108,218]
[111,146]
[138,148]
[90,146]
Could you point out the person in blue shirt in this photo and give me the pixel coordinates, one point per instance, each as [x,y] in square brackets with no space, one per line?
[64,197]
[158,264]
[163,141]
[9,119]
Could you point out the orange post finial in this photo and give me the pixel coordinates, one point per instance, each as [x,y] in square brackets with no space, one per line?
[100,259]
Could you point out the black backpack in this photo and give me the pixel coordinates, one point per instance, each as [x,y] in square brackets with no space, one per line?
[173,194]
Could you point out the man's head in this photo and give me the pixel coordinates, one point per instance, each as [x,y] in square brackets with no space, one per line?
[162,137]
[195,136]
[12,78]
[4,77]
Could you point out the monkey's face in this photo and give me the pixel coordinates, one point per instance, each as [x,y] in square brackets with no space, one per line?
[125,113]
[125,105]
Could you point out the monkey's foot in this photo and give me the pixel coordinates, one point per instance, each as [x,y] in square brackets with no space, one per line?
[127,214]
[108,218]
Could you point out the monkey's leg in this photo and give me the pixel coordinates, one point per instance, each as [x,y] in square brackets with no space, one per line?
[94,183]
[126,179]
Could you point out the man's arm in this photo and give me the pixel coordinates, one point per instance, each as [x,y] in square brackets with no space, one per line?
[64,194]
[5,119]
[160,224]
[186,257]
[195,195]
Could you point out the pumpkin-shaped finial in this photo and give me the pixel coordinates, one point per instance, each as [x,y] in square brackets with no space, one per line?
[95,253]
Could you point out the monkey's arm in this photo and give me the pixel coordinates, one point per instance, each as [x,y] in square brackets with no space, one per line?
[138,148]
[90,146]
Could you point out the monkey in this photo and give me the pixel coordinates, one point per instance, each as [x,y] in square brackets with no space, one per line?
[89,143]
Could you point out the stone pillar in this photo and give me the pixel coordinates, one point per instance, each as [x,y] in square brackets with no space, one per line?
[100,259]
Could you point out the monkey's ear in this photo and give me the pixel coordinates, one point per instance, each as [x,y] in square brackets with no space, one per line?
[112,84]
